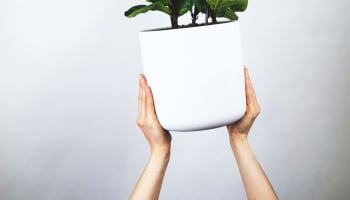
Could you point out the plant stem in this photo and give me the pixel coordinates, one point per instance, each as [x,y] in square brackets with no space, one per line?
[206,15]
[194,15]
[174,22]
[213,17]
[174,15]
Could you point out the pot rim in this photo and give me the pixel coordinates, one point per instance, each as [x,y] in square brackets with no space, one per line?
[187,27]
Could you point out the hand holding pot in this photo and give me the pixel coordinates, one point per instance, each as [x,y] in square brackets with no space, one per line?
[255,181]
[240,129]
[149,184]
[158,138]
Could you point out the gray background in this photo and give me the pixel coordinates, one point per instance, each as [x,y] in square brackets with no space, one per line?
[68,100]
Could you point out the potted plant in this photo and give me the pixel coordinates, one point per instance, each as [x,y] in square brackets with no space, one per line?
[195,70]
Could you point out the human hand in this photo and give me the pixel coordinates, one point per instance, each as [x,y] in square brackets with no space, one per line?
[239,130]
[149,184]
[158,138]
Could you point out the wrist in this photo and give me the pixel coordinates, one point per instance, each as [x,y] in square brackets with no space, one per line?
[161,153]
[238,138]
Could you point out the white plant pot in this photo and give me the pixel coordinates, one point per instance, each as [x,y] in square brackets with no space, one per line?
[196,75]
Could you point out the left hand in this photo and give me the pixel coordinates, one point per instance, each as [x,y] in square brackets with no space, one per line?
[158,138]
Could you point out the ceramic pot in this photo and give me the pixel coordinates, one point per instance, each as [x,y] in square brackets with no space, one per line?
[196,75]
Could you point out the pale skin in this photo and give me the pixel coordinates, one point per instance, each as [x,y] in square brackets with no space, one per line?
[255,181]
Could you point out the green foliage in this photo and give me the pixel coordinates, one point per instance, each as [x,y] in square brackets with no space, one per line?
[183,6]
[235,5]
[133,11]
[226,8]
[201,5]
[180,7]
[227,13]
[175,8]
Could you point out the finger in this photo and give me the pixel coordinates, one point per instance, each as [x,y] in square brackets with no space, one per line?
[144,79]
[150,101]
[252,107]
[252,91]
[255,108]
[149,106]
[247,88]
[143,98]
[140,95]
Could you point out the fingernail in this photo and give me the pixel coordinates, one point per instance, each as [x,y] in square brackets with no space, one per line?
[141,79]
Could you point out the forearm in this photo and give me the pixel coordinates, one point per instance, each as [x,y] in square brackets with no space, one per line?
[255,181]
[149,185]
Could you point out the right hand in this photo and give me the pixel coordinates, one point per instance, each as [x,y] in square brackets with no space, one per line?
[158,138]
[239,130]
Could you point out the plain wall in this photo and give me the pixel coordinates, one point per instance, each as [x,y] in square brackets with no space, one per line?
[68,103]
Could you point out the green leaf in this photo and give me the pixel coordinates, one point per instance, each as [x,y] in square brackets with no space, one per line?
[201,5]
[234,5]
[165,2]
[183,6]
[227,8]
[213,4]
[135,10]
[227,13]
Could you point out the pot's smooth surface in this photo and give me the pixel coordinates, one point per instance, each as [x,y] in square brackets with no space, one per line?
[196,75]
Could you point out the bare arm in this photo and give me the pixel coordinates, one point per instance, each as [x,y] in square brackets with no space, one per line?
[149,184]
[256,183]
